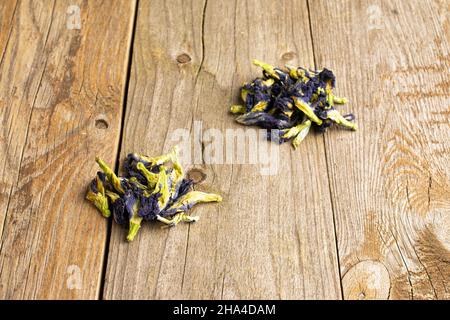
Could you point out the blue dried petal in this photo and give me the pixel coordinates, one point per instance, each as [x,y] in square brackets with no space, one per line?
[283,103]
[183,187]
[93,185]
[130,167]
[189,200]
[262,119]
[321,113]
[130,199]
[324,126]
[149,207]
[119,212]
[326,76]
[276,89]
[254,98]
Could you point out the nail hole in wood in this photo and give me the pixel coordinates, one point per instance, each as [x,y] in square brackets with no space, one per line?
[183,58]
[101,124]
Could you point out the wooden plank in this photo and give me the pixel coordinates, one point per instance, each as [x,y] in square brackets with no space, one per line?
[272,236]
[61,90]
[390,180]
[9,168]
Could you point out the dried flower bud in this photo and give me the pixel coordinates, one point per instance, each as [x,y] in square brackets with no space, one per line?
[96,194]
[152,189]
[292,101]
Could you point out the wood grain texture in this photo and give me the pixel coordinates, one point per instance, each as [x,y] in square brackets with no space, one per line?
[272,236]
[384,188]
[59,89]
[390,180]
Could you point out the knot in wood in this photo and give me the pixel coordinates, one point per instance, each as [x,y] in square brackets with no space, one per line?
[183,58]
[196,175]
[366,280]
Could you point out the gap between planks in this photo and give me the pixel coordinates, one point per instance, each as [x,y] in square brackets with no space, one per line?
[119,142]
[338,260]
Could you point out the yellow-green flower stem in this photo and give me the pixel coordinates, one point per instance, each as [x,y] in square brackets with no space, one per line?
[288,113]
[194,197]
[135,225]
[110,175]
[244,93]
[330,98]
[303,132]
[297,73]
[237,109]
[160,159]
[146,190]
[100,202]
[340,100]
[307,110]
[112,196]
[177,218]
[176,175]
[291,132]
[163,220]
[302,74]
[99,198]
[270,70]
[162,187]
[268,83]
[135,222]
[135,181]
[292,72]
[152,178]
[335,116]
[166,157]
[260,106]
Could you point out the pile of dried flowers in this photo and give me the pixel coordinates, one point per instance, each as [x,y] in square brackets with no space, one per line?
[151,189]
[291,100]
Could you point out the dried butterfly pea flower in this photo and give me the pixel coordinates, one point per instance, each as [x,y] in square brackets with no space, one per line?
[151,189]
[190,199]
[262,119]
[291,100]
[184,203]
[236,109]
[117,204]
[183,188]
[149,177]
[303,130]
[135,220]
[162,189]
[307,110]
[335,116]
[110,175]
[97,194]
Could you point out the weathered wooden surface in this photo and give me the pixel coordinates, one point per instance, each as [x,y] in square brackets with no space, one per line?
[61,91]
[268,238]
[375,224]
[390,180]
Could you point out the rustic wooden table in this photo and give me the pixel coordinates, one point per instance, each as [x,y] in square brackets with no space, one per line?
[353,215]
